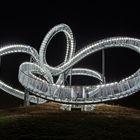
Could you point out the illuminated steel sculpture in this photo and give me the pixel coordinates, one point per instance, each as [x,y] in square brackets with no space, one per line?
[38,77]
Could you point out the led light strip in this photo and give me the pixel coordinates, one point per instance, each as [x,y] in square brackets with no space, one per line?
[43,85]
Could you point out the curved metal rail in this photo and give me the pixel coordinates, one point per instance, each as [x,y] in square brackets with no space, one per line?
[37,77]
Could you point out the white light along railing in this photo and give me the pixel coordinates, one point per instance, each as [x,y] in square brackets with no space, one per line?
[37,76]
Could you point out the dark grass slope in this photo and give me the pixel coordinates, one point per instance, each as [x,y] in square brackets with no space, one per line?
[49,122]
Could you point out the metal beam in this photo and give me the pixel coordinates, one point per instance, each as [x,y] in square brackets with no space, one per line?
[103,65]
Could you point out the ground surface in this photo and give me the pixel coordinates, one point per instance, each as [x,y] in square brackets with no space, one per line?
[49,122]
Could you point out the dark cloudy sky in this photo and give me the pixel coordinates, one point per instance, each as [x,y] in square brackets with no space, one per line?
[89,23]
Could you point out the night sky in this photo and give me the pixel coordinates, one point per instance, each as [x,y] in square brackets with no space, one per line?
[89,23]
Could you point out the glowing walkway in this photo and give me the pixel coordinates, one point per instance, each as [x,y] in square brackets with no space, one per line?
[37,76]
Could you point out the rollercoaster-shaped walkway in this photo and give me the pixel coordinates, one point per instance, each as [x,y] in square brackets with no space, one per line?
[38,77]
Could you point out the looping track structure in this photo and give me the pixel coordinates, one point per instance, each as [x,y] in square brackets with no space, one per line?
[37,76]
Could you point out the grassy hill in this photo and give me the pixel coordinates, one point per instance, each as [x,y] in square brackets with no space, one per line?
[47,121]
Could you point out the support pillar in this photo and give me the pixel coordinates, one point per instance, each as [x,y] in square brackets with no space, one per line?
[26,92]
[26,98]
[70,82]
[0,60]
[103,66]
